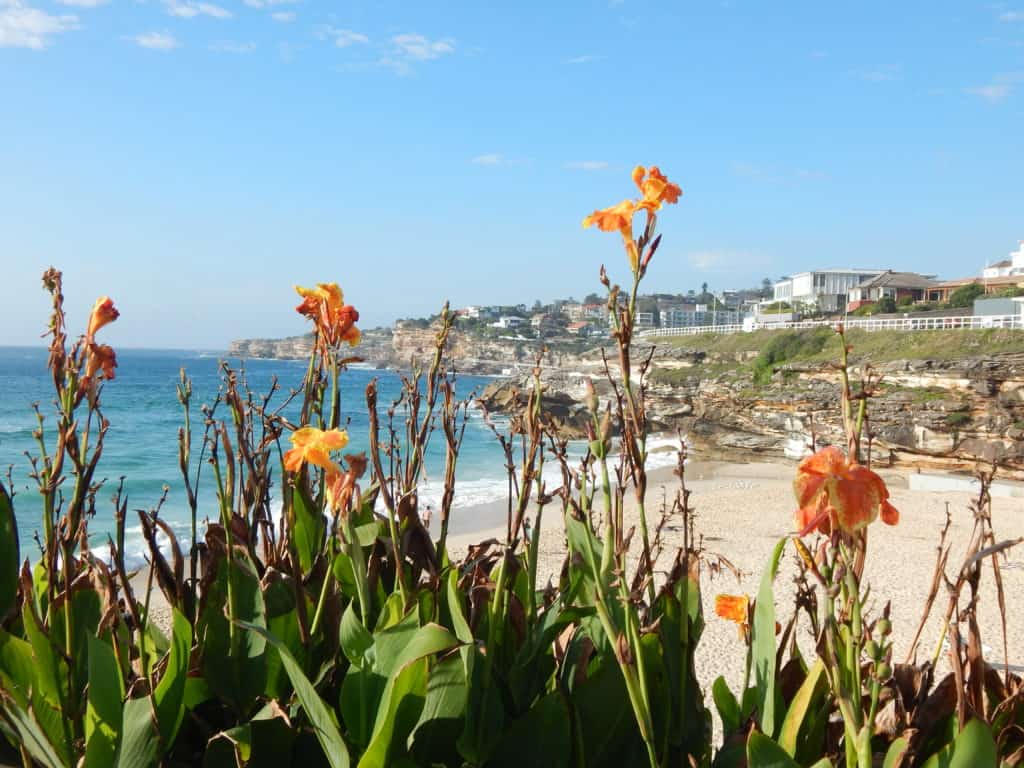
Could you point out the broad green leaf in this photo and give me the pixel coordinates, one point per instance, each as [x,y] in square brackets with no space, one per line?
[355,638]
[320,716]
[400,708]
[17,670]
[762,752]
[764,643]
[543,736]
[104,709]
[282,623]
[973,747]
[726,704]
[608,736]
[85,615]
[31,734]
[10,557]
[308,528]
[434,738]
[896,750]
[140,739]
[169,696]
[49,685]
[807,697]
[485,714]
[264,742]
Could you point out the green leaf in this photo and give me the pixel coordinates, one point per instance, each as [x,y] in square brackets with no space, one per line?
[308,528]
[103,712]
[807,697]
[762,752]
[320,716]
[10,557]
[356,640]
[49,684]
[972,747]
[542,736]
[141,739]
[440,724]
[896,750]
[264,742]
[17,670]
[764,643]
[608,736]
[726,704]
[169,696]
[31,734]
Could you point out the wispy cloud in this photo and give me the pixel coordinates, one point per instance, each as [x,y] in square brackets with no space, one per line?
[491,159]
[724,259]
[819,54]
[156,41]
[188,9]
[232,46]
[283,17]
[1012,16]
[587,165]
[883,74]
[83,3]
[777,175]
[585,59]
[343,38]
[268,3]
[999,89]
[22,26]
[420,48]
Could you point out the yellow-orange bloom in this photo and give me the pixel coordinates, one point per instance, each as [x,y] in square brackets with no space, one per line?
[734,608]
[103,312]
[314,446]
[325,306]
[341,485]
[617,218]
[655,188]
[101,358]
[832,491]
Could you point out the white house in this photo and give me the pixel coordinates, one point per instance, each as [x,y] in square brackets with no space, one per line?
[826,289]
[1011,266]
[509,321]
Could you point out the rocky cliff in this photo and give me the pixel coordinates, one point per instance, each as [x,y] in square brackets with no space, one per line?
[928,413]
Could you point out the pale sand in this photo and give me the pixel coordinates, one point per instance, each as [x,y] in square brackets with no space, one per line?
[742,511]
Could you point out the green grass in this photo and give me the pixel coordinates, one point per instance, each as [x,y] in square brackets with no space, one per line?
[822,344]
[958,419]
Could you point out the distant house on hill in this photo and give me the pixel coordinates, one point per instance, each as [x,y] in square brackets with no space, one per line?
[942,291]
[891,285]
[1007,267]
[827,290]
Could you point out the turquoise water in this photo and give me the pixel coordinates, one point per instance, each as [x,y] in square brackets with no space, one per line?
[145,416]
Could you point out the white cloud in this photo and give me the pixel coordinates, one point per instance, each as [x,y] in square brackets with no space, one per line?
[268,3]
[189,9]
[587,165]
[1001,87]
[156,41]
[419,48]
[232,46]
[724,260]
[343,38]
[491,159]
[1011,16]
[882,74]
[585,59]
[283,17]
[22,26]
[993,93]
[83,3]
[777,175]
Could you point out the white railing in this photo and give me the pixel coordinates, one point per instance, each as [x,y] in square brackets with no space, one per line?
[909,323]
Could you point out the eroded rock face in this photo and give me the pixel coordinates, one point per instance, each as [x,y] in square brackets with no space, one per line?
[930,413]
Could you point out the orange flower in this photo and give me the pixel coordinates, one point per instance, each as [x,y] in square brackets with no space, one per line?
[103,312]
[655,188]
[734,608]
[341,485]
[617,218]
[101,357]
[832,491]
[325,306]
[314,446]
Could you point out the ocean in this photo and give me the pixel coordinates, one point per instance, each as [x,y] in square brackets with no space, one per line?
[141,444]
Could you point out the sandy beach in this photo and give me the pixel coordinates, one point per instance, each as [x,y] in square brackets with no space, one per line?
[742,511]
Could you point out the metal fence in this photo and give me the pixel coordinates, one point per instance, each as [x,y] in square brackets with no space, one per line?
[908,323]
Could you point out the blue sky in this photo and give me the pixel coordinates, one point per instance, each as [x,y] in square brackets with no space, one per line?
[194,160]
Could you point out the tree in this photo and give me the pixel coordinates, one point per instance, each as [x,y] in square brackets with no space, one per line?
[886,304]
[703,288]
[965,295]
[592,298]
[537,306]
[766,287]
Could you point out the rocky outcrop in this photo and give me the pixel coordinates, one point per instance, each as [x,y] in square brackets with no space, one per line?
[374,348]
[945,414]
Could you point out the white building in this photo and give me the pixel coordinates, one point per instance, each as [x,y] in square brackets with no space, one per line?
[691,315]
[476,313]
[644,320]
[1011,266]
[510,321]
[825,289]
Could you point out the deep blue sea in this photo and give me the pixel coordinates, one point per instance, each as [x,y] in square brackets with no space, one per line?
[145,416]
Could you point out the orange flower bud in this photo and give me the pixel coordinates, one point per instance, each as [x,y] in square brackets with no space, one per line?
[103,313]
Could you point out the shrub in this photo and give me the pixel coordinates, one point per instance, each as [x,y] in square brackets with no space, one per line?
[965,295]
